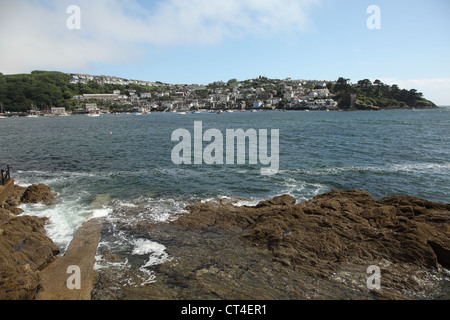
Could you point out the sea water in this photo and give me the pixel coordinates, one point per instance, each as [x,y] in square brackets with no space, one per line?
[119,166]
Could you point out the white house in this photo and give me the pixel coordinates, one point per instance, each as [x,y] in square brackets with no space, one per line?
[321,93]
[257,104]
[275,101]
[288,95]
[331,103]
[58,111]
[74,80]
[167,105]
[91,107]
[146,95]
[224,98]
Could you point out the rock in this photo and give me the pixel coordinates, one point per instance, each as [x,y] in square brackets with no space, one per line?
[13,199]
[340,230]
[24,247]
[24,250]
[442,253]
[39,193]
[283,200]
[280,249]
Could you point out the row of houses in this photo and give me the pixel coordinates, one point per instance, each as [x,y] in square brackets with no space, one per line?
[256,93]
[214,101]
[86,78]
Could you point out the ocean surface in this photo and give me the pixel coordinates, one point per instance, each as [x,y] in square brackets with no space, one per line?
[114,164]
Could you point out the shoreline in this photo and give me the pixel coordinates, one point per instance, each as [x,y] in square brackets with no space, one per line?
[24,114]
[269,230]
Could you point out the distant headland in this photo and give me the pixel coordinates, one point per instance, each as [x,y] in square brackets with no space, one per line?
[48,92]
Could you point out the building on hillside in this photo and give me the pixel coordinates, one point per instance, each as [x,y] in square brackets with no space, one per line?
[91,107]
[59,111]
[102,97]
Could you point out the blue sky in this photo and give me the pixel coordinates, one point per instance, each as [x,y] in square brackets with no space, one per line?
[201,41]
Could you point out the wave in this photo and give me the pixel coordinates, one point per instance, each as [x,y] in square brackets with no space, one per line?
[394,168]
[76,203]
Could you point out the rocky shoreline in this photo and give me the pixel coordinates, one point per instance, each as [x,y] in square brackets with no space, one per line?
[276,250]
[25,248]
[280,249]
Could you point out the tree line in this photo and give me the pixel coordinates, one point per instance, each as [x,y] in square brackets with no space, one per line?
[377,94]
[47,89]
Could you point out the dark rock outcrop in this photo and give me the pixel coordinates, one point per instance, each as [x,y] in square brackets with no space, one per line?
[336,227]
[280,249]
[24,247]
[38,193]
[24,250]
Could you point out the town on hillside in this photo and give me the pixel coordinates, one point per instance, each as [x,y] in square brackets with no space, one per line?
[261,93]
[55,93]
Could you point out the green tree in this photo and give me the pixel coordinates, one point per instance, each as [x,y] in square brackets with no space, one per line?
[342,85]
[2,87]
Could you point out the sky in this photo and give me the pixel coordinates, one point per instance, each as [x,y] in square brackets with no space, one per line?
[404,42]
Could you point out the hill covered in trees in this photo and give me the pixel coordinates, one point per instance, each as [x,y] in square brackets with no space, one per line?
[46,89]
[376,95]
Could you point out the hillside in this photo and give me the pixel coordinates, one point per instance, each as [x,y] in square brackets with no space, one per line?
[44,90]
[376,95]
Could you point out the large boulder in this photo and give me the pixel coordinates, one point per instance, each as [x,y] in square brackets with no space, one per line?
[38,193]
[24,247]
[24,250]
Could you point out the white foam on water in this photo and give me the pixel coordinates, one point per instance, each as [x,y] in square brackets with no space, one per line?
[64,219]
[101,213]
[156,251]
[127,204]
[248,203]
[393,168]
[157,255]
[235,201]
[66,215]
[101,264]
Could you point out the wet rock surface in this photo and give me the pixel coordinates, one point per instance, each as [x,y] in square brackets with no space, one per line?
[280,249]
[38,193]
[24,248]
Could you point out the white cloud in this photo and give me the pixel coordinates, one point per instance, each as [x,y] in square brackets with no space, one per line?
[36,37]
[34,33]
[434,89]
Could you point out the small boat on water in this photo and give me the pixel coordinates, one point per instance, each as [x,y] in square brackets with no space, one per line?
[182,112]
